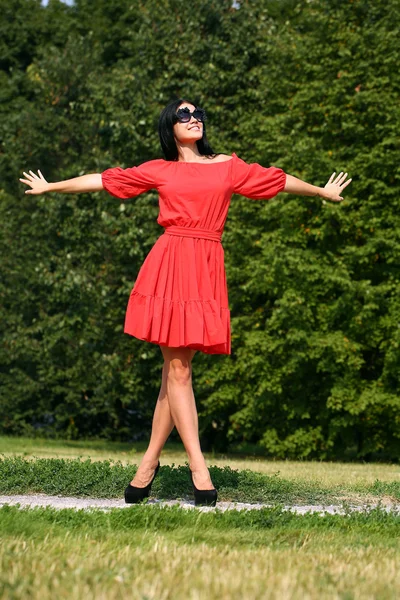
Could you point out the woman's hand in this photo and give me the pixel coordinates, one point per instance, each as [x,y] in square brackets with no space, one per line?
[38,184]
[334,188]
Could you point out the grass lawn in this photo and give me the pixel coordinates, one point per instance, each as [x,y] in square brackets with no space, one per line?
[150,553]
[168,553]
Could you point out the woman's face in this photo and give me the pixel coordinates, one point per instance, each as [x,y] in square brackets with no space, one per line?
[190,132]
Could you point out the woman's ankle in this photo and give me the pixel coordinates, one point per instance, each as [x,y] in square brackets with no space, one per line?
[198,465]
[150,460]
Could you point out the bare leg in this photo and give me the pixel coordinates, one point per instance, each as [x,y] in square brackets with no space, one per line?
[162,426]
[182,404]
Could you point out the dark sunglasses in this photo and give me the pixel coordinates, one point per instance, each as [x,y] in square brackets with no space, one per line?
[183,115]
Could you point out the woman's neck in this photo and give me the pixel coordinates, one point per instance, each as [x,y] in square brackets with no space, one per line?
[188,153]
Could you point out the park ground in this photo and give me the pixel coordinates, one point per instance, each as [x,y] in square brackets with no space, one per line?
[166,552]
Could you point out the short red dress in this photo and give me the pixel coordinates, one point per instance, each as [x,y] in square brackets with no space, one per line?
[180,298]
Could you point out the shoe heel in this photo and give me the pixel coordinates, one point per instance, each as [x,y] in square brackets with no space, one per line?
[134,495]
[204,497]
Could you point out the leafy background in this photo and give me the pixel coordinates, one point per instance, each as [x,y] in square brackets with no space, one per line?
[309,86]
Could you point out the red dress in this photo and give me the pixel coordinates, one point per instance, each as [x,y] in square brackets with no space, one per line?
[180,298]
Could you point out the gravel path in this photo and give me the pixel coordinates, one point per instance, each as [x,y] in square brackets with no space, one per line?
[59,502]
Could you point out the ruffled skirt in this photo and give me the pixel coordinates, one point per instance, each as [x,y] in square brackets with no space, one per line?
[180,297]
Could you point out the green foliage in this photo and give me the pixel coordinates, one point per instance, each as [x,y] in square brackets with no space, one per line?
[314,288]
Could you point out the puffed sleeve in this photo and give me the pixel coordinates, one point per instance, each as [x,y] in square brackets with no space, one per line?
[127,183]
[256,182]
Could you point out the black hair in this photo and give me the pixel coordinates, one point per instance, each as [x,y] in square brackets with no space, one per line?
[166,132]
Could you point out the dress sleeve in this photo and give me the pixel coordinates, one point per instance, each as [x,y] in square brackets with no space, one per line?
[127,183]
[256,182]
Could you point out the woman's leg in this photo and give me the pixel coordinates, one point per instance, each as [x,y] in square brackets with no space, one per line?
[162,426]
[182,404]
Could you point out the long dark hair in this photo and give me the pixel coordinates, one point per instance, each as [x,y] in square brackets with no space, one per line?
[166,133]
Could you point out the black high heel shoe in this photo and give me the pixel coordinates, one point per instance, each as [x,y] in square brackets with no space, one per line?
[204,497]
[134,494]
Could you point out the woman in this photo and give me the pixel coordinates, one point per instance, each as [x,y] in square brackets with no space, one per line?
[180,299]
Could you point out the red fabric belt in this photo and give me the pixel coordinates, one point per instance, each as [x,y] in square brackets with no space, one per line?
[193,232]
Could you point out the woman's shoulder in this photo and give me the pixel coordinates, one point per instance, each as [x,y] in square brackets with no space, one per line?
[156,162]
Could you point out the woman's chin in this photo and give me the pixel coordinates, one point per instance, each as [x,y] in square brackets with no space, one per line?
[191,137]
[195,138]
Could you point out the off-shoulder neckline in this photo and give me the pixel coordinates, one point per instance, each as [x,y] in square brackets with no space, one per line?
[219,162]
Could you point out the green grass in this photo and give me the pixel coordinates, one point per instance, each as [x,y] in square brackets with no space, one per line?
[164,553]
[105,479]
[167,553]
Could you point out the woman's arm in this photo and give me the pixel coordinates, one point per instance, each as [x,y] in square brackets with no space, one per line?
[331,191]
[85,183]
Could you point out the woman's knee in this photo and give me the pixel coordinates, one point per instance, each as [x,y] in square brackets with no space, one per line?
[178,365]
[179,371]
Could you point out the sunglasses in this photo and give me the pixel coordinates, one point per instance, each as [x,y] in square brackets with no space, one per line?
[183,115]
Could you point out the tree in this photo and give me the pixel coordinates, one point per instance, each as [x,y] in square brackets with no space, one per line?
[311,87]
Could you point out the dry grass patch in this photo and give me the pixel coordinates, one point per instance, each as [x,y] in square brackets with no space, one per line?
[172,554]
[154,567]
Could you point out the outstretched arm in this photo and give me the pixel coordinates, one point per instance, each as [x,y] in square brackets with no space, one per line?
[331,191]
[85,183]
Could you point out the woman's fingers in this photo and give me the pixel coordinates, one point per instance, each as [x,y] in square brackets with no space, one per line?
[331,178]
[338,178]
[341,179]
[345,184]
[32,176]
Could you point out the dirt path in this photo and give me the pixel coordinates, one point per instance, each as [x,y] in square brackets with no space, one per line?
[59,502]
